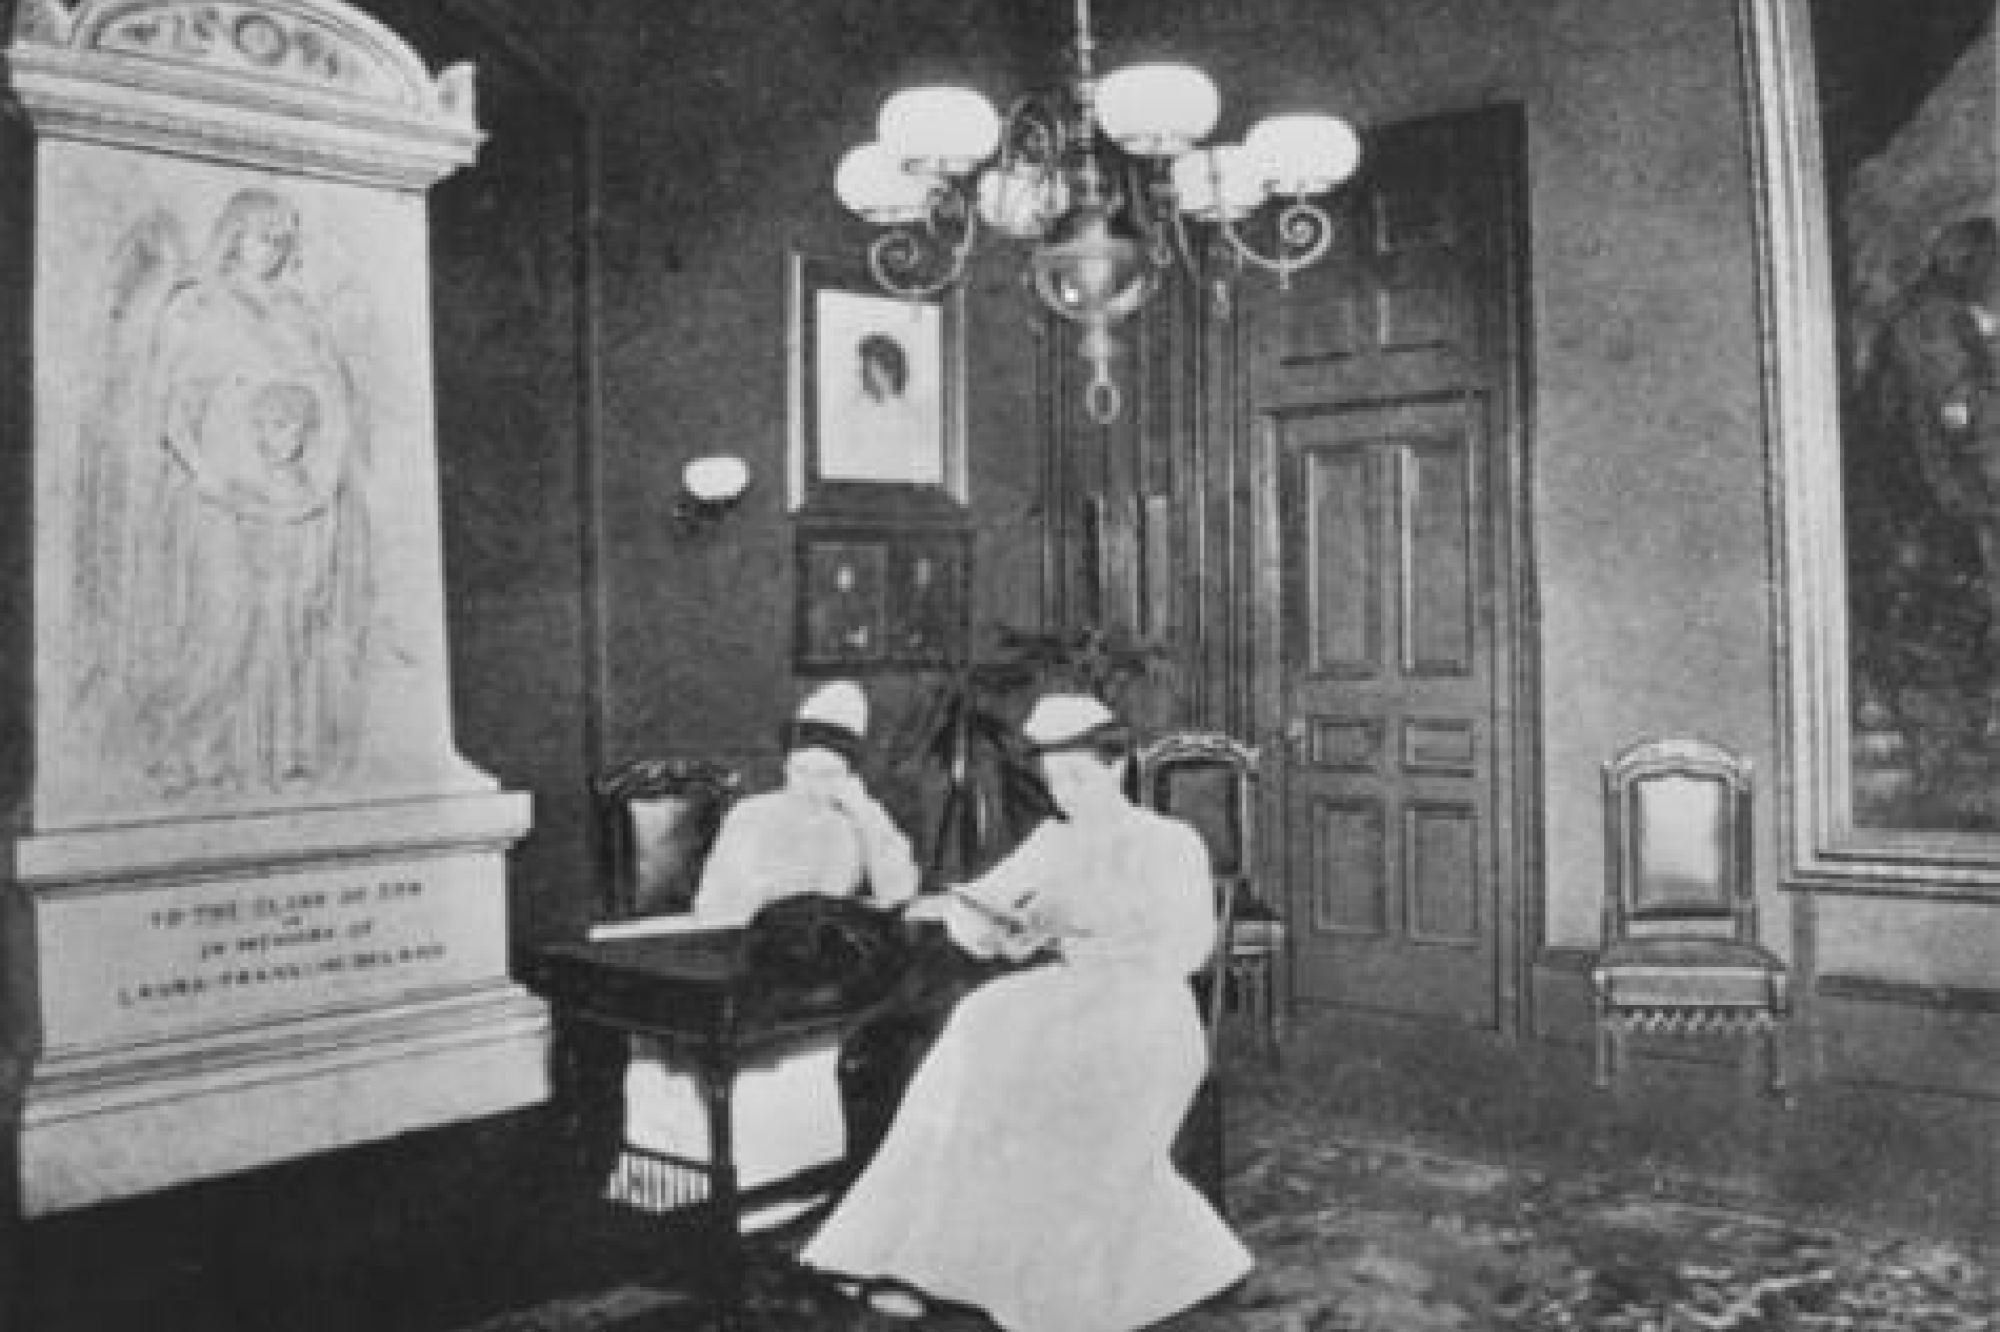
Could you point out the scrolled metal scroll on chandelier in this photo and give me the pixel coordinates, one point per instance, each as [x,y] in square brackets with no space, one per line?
[1108,180]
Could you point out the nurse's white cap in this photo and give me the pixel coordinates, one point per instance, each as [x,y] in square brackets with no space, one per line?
[837,703]
[1060,720]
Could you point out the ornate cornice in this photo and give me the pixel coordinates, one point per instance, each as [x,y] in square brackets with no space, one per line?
[299,85]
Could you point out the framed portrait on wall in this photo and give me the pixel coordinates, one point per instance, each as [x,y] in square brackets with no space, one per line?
[881,598]
[1878,188]
[877,413]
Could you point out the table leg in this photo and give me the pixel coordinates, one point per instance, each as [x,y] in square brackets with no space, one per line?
[727,1276]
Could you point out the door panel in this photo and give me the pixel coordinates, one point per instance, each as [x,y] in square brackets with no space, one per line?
[1345,562]
[1348,875]
[1435,529]
[1386,382]
[1392,688]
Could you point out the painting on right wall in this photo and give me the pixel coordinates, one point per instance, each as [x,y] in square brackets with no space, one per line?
[1907,109]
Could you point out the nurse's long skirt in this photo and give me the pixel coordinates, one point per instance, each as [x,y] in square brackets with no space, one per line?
[1028,1170]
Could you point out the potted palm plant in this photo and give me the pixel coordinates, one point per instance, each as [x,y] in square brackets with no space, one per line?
[968,743]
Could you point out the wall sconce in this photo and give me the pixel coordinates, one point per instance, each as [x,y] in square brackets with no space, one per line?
[710,488]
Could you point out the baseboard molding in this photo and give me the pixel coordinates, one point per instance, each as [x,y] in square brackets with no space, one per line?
[1875,989]
[1905,1036]
[1560,981]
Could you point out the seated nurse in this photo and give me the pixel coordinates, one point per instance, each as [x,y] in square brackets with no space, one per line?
[1028,1170]
[820,832]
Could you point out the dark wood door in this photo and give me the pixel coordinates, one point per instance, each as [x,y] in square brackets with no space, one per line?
[1386,387]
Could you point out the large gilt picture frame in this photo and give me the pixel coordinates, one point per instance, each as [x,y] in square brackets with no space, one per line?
[1875,203]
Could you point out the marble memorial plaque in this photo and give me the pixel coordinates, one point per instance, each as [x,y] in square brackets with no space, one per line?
[256,903]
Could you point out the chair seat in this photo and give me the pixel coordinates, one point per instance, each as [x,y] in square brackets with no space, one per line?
[1689,951]
[1257,928]
[1256,937]
[1689,972]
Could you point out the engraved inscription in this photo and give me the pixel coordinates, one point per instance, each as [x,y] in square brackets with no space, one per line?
[122,965]
[241,943]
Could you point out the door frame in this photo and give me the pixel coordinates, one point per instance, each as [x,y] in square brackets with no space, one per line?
[1517,856]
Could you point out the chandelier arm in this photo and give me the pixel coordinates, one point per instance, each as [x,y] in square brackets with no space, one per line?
[1305,233]
[898,257]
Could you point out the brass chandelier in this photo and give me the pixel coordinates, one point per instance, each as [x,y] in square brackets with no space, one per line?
[1108,181]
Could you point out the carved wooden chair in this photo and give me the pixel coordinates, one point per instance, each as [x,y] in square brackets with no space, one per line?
[659,819]
[1210,780]
[1680,953]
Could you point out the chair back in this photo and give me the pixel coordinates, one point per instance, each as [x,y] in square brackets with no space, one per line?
[1208,779]
[660,818]
[1678,838]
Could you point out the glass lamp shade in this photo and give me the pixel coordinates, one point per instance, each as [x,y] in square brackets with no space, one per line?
[717,478]
[871,181]
[1157,110]
[939,130]
[1021,201]
[1303,154]
[1218,184]
[1092,269]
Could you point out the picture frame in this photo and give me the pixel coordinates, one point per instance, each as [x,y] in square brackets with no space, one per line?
[1892,758]
[877,409]
[872,597]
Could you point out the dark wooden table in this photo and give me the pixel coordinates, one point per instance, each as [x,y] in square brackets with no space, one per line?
[687,991]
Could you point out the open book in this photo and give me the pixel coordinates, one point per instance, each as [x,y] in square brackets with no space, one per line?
[1022,929]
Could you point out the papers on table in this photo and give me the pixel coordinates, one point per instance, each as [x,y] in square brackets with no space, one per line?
[643,927]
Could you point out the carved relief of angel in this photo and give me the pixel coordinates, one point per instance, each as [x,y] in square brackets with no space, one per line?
[224,570]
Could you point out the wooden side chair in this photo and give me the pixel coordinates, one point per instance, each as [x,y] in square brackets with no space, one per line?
[1210,780]
[1680,954]
[659,818]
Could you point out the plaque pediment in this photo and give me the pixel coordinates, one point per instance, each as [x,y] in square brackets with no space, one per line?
[213,71]
[250,41]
